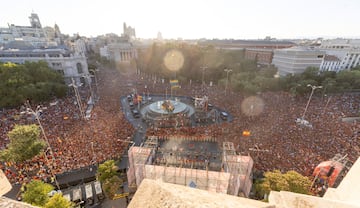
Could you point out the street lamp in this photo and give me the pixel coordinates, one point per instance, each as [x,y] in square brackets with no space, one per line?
[96,81]
[93,152]
[88,77]
[36,113]
[227,78]
[203,71]
[77,95]
[313,88]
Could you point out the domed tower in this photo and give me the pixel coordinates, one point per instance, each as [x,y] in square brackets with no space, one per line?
[35,21]
[57,31]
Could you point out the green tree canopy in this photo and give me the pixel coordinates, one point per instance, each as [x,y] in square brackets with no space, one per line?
[37,193]
[246,76]
[112,185]
[24,144]
[58,201]
[107,170]
[32,80]
[290,181]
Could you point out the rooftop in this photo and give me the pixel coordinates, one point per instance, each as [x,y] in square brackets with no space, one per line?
[153,193]
[9,203]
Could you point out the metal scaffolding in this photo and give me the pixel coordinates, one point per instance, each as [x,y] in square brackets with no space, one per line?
[183,161]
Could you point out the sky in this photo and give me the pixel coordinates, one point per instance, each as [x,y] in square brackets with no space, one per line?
[193,19]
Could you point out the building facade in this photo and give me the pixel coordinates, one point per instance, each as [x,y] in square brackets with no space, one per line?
[60,60]
[119,52]
[35,33]
[347,51]
[261,56]
[295,60]
[330,63]
[34,43]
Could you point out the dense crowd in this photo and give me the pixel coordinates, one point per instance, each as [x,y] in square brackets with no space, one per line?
[276,141]
[75,142]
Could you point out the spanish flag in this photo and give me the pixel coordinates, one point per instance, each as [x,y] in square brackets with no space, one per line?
[174,83]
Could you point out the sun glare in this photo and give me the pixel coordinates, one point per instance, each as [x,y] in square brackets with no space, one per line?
[252,106]
[174,60]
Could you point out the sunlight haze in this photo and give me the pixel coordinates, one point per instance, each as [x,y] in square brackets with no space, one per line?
[237,19]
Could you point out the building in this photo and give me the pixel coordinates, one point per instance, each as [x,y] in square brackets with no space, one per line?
[347,51]
[122,52]
[34,43]
[35,33]
[61,60]
[262,56]
[129,32]
[330,63]
[119,49]
[194,162]
[242,44]
[77,45]
[295,60]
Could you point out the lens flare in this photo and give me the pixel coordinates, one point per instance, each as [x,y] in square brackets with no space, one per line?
[174,60]
[252,106]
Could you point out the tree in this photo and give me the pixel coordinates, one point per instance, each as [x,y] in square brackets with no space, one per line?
[290,181]
[58,201]
[112,185]
[32,80]
[37,193]
[297,182]
[24,144]
[311,73]
[107,170]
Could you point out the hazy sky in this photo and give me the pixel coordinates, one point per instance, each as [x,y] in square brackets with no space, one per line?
[238,19]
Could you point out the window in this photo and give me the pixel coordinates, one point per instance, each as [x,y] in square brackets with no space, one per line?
[60,72]
[79,68]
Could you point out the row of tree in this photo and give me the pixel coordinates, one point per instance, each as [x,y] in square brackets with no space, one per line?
[30,81]
[332,82]
[246,76]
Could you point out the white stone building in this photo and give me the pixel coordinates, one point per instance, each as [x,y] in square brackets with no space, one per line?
[104,52]
[77,45]
[330,63]
[33,33]
[295,60]
[119,52]
[34,43]
[61,60]
[347,51]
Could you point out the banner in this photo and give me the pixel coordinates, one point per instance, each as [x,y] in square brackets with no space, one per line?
[174,83]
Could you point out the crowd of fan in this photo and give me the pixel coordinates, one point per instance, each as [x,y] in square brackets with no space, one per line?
[75,142]
[276,141]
